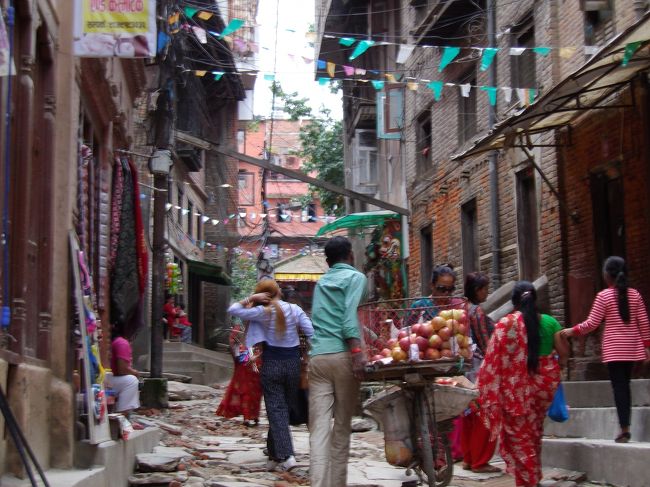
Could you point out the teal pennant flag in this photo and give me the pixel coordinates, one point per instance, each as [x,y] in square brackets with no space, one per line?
[232,26]
[630,49]
[492,93]
[377,85]
[448,55]
[436,87]
[323,81]
[347,41]
[542,51]
[362,47]
[190,11]
[488,57]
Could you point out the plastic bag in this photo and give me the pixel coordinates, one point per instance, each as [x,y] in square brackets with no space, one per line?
[558,411]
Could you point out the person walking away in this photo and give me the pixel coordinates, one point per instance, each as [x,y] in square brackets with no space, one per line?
[517,381]
[275,324]
[336,365]
[123,379]
[476,445]
[244,393]
[626,338]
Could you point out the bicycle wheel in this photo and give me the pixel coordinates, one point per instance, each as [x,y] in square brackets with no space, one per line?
[436,473]
[427,470]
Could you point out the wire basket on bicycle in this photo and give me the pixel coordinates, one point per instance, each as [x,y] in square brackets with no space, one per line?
[415,329]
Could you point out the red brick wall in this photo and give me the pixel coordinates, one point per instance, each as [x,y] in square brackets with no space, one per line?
[601,140]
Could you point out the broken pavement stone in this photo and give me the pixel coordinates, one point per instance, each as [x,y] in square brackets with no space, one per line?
[157,478]
[152,462]
[359,425]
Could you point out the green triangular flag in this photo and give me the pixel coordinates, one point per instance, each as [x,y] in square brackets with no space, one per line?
[361,48]
[190,11]
[630,49]
[217,75]
[347,41]
[378,85]
[436,86]
[542,51]
[232,26]
[492,93]
[488,57]
[531,95]
[323,81]
[448,55]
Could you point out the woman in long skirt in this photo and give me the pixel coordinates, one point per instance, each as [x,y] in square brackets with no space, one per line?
[517,381]
[244,394]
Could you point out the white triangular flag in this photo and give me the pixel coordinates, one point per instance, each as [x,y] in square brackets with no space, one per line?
[405,51]
[591,50]
[465,89]
[200,34]
[507,93]
[214,222]
[517,51]
[521,93]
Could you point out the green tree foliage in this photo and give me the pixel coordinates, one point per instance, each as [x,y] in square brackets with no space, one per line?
[244,277]
[322,147]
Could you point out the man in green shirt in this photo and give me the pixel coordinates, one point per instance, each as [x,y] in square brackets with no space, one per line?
[336,365]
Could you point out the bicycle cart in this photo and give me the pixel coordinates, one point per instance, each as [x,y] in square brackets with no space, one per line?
[416,407]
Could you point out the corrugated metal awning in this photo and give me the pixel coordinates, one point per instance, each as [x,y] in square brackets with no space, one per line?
[588,88]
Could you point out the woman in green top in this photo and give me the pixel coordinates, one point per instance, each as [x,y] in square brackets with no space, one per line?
[517,382]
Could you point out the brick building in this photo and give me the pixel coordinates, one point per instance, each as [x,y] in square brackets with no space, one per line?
[290,224]
[547,203]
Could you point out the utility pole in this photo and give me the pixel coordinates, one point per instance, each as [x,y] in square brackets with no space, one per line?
[493,158]
[154,393]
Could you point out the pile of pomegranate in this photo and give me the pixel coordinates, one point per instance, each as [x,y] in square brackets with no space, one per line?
[444,336]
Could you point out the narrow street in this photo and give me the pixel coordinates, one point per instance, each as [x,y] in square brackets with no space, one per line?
[199,449]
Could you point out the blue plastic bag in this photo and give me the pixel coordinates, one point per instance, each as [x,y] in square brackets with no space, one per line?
[558,411]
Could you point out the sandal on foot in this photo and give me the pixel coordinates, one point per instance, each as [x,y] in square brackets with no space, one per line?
[466,466]
[623,438]
[487,468]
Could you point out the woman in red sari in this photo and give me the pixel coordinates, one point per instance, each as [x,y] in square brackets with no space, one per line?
[517,381]
[244,393]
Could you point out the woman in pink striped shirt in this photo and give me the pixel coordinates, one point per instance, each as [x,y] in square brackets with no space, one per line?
[626,338]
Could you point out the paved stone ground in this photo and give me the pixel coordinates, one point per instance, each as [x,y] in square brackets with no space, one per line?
[201,450]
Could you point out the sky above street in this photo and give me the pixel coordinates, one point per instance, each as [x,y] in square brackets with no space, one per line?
[293,20]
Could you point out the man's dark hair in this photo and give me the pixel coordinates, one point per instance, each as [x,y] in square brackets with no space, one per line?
[337,249]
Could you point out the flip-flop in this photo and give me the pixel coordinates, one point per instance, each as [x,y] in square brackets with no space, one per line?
[487,468]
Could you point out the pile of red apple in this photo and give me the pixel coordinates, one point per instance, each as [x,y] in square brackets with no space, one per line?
[434,339]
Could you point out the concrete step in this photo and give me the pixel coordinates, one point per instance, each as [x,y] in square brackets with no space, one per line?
[599,423]
[598,394]
[205,373]
[620,464]
[220,359]
[92,477]
[107,464]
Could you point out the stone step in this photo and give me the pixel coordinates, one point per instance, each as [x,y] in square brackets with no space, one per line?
[598,394]
[621,464]
[198,357]
[205,373]
[599,423]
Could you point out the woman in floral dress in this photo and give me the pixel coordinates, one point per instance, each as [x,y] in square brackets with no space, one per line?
[517,381]
[244,394]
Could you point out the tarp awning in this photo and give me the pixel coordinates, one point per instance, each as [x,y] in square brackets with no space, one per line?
[586,89]
[359,220]
[209,272]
